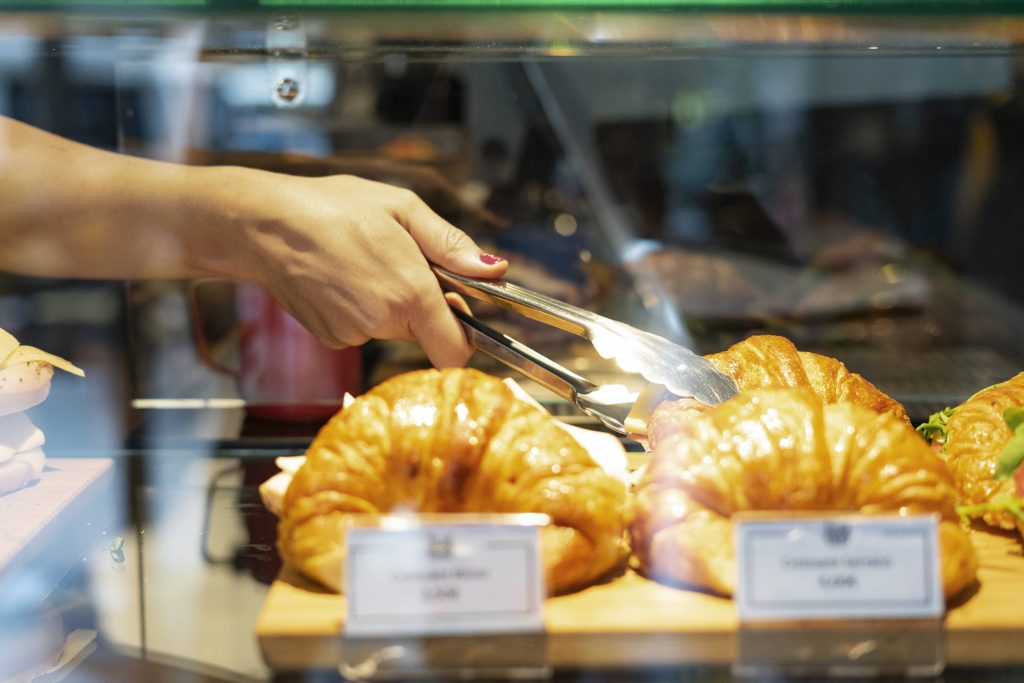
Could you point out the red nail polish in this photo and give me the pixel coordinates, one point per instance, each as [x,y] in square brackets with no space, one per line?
[490,259]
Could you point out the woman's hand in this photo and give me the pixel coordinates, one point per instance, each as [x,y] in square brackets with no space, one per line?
[348,258]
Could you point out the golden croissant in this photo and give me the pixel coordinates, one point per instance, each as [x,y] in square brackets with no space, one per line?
[772,361]
[782,449]
[764,361]
[975,436]
[453,441]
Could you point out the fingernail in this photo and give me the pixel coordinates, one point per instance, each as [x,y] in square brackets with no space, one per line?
[490,259]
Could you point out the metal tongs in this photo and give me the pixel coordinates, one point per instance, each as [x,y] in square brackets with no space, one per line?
[670,369]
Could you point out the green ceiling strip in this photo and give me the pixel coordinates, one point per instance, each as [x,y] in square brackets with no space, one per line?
[944,6]
[936,7]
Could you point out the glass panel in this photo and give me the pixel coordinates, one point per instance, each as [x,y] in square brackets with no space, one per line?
[848,179]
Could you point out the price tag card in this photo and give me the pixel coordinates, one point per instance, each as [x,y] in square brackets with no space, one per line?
[445,574]
[838,567]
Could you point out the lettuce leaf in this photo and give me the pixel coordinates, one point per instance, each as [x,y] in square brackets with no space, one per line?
[1013,452]
[935,428]
[1011,504]
[1014,418]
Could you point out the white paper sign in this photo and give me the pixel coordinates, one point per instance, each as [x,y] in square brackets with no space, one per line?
[432,578]
[838,567]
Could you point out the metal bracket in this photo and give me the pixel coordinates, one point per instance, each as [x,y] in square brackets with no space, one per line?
[287,56]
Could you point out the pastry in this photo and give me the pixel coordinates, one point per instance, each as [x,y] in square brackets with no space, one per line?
[783,449]
[773,361]
[25,375]
[973,439]
[21,452]
[763,361]
[452,441]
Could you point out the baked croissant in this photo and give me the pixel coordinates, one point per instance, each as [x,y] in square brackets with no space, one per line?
[453,441]
[975,436]
[773,361]
[782,449]
[763,361]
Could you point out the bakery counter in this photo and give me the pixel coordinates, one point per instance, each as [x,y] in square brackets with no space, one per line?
[630,621]
[170,572]
[161,557]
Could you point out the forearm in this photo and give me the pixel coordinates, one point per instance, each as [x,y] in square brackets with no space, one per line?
[347,257]
[69,210]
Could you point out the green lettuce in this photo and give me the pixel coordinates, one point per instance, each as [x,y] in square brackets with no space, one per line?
[935,428]
[1013,451]
[1011,504]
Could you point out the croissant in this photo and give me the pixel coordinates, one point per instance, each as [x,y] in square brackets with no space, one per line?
[763,361]
[773,361]
[974,439]
[782,449]
[453,441]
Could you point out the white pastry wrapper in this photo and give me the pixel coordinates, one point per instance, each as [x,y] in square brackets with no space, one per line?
[18,435]
[21,452]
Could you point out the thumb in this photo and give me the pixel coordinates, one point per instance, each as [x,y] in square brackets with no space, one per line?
[447,246]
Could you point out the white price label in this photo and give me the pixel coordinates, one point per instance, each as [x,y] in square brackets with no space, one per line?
[838,567]
[445,577]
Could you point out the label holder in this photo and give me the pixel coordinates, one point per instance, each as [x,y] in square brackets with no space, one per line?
[850,635]
[443,574]
[819,566]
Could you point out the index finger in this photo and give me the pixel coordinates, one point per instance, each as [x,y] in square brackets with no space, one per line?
[444,244]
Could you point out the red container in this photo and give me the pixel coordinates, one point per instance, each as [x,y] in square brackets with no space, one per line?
[284,373]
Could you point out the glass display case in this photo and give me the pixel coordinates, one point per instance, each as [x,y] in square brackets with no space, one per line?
[844,175]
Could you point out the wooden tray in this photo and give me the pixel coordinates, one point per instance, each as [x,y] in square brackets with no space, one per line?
[633,621]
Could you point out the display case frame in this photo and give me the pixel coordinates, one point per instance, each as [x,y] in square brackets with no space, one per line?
[176,443]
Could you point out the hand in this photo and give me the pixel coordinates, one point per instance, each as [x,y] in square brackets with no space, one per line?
[348,258]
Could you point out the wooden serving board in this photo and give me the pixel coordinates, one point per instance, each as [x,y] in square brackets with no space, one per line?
[53,515]
[631,621]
